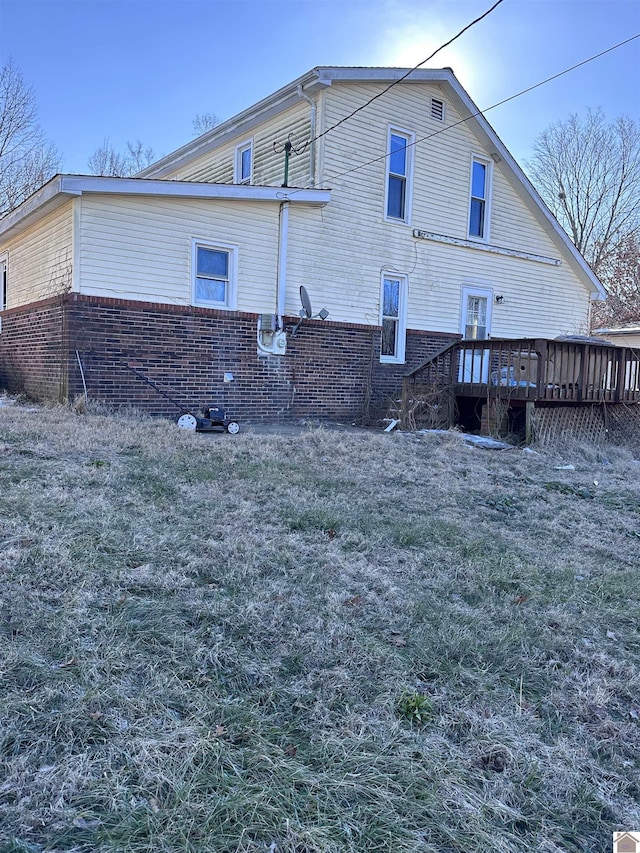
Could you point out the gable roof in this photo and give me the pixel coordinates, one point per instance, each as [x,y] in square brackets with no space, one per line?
[322,77]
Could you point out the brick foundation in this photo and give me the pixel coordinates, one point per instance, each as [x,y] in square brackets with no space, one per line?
[33,350]
[330,371]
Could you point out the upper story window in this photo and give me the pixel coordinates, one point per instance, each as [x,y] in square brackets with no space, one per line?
[243,169]
[214,275]
[393,318]
[399,175]
[480,198]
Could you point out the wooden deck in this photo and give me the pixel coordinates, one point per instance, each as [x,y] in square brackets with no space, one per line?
[529,370]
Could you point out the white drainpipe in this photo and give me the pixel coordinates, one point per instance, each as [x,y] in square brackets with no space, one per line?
[312,145]
[283,239]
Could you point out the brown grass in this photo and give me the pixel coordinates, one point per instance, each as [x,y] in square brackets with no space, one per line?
[331,642]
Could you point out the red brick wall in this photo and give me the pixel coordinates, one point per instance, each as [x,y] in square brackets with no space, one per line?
[33,353]
[331,370]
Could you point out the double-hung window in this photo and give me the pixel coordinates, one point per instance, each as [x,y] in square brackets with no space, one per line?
[475,320]
[399,175]
[480,198]
[214,275]
[243,169]
[393,313]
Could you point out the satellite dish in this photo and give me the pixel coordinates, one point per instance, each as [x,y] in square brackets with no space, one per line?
[306,303]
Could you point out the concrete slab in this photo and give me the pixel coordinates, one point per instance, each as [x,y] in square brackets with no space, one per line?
[293,428]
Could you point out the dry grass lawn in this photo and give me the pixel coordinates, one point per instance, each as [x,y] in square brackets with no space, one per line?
[316,644]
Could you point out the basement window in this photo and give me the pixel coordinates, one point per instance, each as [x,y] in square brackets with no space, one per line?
[214,275]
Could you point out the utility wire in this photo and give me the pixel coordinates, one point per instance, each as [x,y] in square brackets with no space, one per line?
[492,107]
[407,74]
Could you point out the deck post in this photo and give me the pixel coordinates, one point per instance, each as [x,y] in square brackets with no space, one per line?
[585,354]
[404,406]
[529,407]
[542,372]
[621,374]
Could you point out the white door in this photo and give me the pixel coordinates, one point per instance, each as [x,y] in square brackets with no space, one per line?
[475,325]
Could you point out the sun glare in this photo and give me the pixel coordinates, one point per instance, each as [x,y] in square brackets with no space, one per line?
[415,36]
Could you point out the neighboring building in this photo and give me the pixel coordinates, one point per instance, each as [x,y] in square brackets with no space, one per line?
[625,842]
[409,222]
[623,336]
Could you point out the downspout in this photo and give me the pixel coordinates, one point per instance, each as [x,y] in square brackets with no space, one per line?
[312,144]
[283,239]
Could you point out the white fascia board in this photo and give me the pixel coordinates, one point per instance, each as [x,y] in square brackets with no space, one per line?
[631,330]
[286,97]
[63,187]
[242,123]
[78,185]
[281,100]
[36,207]
[337,74]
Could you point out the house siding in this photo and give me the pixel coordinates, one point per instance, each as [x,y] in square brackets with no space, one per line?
[40,259]
[268,153]
[141,248]
[356,243]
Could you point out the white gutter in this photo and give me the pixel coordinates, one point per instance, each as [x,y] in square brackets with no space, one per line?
[283,241]
[312,146]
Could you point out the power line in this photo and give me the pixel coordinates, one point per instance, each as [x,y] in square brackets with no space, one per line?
[404,76]
[492,107]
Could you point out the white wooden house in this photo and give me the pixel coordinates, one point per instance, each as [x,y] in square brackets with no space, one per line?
[408,220]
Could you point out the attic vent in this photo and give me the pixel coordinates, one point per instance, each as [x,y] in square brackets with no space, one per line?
[437,109]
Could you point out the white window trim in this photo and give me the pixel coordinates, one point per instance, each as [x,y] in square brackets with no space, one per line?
[4,295]
[486,161]
[232,293]
[401,339]
[237,163]
[408,200]
[468,290]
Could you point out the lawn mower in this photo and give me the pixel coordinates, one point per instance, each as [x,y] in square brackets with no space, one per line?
[208,419]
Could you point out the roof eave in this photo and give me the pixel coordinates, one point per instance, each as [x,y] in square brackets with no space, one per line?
[44,201]
[281,100]
[241,123]
[64,187]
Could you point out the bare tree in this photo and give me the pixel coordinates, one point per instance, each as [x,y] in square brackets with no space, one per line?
[588,172]
[622,275]
[106,161]
[139,157]
[27,159]
[204,122]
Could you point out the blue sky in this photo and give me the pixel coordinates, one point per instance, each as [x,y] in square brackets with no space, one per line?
[142,69]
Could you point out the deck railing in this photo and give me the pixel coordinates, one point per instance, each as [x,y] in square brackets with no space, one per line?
[530,369]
